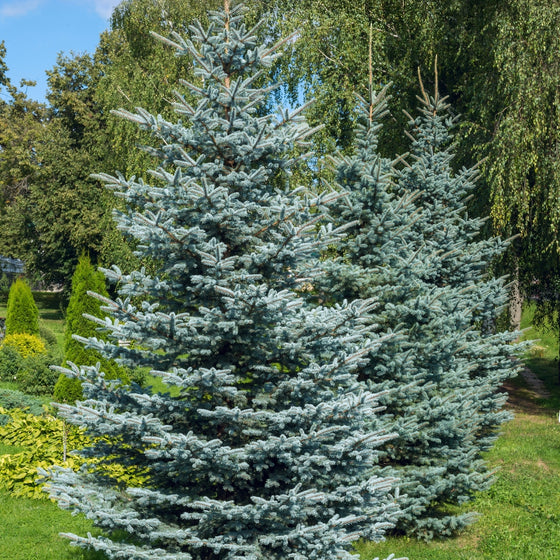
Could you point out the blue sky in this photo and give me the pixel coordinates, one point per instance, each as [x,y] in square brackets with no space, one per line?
[35,31]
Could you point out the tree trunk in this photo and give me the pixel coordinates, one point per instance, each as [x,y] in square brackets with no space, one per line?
[515,301]
[558,325]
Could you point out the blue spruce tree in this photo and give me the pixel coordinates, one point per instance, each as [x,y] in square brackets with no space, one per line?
[264,445]
[477,359]
[416,251]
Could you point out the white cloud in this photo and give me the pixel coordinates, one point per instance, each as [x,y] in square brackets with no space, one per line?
[104,7]
[18,7]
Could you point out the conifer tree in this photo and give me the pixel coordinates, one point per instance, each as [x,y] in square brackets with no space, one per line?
[415,249]
[260,449]
[81,306]
[22,315]
[463,265]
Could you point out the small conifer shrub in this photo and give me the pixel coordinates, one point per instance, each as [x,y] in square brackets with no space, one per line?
[25,344]
[81,306]
[22,315]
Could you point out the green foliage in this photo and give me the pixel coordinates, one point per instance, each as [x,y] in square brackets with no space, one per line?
[35,375]
[85,279]
[10,399]
[47,335]
[22,313]
[25,360]
[25,344]
[21,122]
[42,437]
[10,361]
[5,284]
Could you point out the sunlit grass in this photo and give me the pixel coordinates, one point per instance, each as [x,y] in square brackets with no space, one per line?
[30,530]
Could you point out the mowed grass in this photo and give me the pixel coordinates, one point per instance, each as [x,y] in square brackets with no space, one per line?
[519,515]
[29,530]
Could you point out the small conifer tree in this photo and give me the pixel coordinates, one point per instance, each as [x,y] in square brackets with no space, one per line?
[264,446]
[22,315]
[81,306]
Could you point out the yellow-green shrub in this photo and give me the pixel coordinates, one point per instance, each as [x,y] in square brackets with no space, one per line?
[25,344]
[42,436]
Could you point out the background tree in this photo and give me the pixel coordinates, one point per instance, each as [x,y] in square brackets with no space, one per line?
[522,171]
[21,124]
[35,222]
[22,315]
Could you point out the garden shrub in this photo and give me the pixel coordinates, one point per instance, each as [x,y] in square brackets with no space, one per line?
[35,375]
[42,436]
[48,336]
[10,361]
[10,399]
[22,315]
[25,360]
[25,344]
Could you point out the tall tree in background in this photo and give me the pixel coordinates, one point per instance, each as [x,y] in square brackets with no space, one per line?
[260,450]
[138,72]
[523,169]
[21,124]
[60,212]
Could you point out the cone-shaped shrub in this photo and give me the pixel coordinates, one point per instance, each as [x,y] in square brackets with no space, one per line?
[82,305]
[22,314]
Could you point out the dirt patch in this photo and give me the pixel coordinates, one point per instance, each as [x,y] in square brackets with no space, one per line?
[542,465]
[535,384]
[522,400]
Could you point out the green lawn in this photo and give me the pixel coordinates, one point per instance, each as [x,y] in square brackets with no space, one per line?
[30,530]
